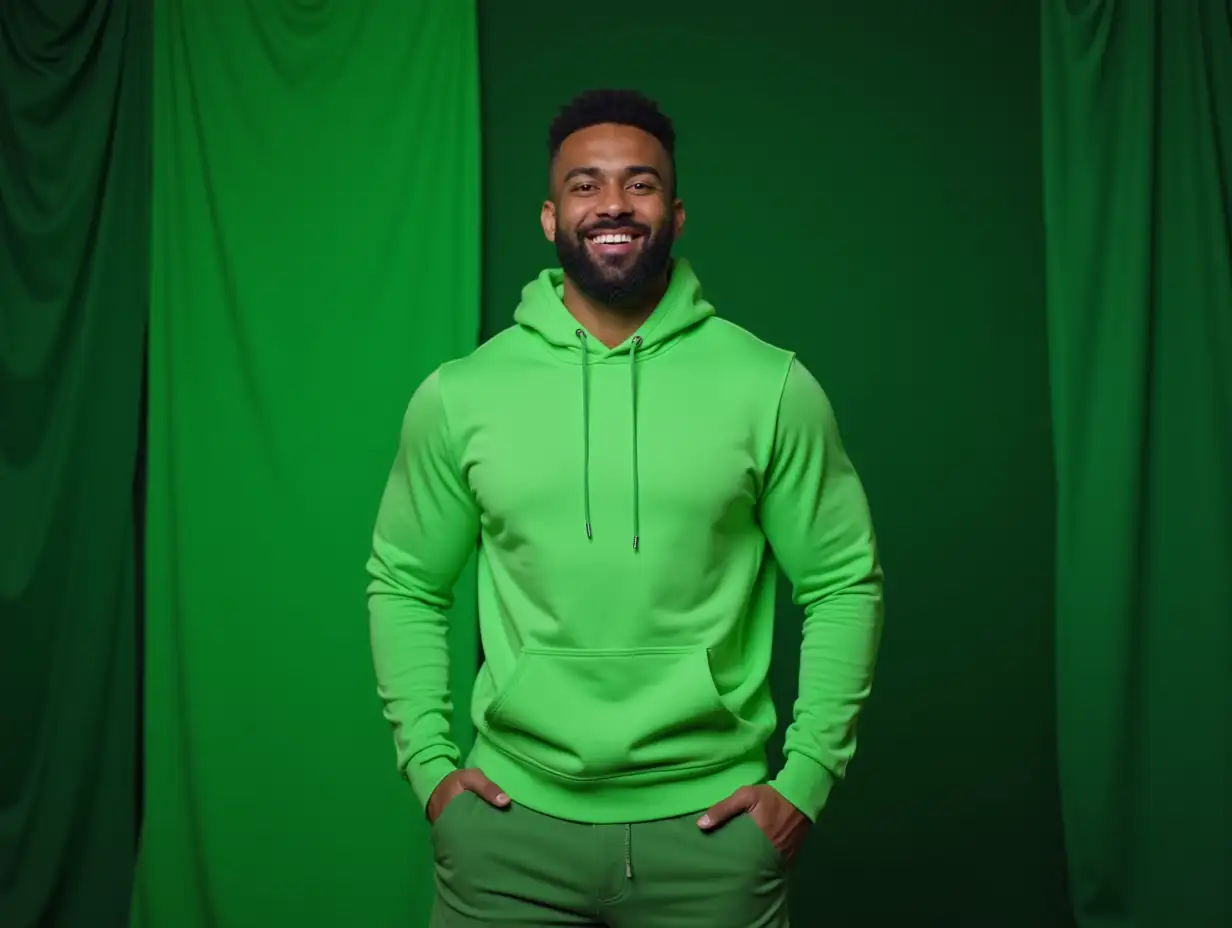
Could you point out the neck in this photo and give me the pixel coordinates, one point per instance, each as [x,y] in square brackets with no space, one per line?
[612,326]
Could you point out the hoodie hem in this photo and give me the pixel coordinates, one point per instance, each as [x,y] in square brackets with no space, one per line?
[617,801]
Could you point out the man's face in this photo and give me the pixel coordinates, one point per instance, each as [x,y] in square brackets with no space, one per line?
[612,217]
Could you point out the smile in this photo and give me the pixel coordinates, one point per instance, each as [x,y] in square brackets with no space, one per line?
[612,238]
[613,244]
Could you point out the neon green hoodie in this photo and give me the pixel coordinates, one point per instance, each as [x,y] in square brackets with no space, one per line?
[623,500]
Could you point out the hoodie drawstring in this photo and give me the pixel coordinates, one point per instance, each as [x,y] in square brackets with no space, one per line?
[637,343]
[585,431]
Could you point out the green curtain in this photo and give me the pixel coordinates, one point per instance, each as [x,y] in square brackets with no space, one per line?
[1138,181]
[865,189]
[315,255]
[74,207]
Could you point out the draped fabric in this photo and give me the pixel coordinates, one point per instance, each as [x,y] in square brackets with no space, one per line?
[315,254]
[288,195]
[74,191]
[1138,183]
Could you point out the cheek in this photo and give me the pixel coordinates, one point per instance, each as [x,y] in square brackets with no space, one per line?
[655,217]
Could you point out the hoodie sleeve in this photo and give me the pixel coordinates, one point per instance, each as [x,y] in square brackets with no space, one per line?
[816,517]
[426,529]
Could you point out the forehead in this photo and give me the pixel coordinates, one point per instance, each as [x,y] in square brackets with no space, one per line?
[610,147]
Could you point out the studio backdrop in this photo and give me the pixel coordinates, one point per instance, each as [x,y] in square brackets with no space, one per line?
[235,235]
[315,254]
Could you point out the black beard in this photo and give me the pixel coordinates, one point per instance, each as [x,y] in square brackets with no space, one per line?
[610,286]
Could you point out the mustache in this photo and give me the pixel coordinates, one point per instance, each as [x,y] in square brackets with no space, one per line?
[615,225]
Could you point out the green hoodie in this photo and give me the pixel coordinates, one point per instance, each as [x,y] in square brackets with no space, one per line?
[625,502]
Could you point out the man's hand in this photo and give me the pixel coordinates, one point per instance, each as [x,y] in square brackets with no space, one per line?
[469,779]
[780,821]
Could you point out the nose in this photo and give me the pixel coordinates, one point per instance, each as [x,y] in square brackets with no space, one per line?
[615,203]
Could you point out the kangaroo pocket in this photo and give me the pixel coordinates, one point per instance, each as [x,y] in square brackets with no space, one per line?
[591,715]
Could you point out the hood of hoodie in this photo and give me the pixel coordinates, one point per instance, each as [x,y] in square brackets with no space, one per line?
[543,313]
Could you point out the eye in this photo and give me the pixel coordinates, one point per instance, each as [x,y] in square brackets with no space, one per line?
[583,188]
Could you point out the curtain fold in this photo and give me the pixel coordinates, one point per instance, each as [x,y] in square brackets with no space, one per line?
[1138,173]
[315,255]
[74,206]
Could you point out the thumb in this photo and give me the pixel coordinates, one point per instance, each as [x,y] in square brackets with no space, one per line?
[477,783]
[741,800]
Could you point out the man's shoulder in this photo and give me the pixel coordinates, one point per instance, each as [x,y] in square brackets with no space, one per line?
[481,362]
[746,351]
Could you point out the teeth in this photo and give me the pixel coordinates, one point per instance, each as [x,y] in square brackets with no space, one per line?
[611,239]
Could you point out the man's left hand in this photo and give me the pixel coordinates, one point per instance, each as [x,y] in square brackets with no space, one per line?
[780,821]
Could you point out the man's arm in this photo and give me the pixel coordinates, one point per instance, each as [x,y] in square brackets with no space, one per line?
[816,517]
[425,532]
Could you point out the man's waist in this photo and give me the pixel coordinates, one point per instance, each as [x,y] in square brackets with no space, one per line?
[637,795]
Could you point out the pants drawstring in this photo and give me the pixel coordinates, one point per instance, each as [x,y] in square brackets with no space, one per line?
[628,852]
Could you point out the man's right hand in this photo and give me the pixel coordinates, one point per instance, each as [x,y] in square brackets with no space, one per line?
[469,779]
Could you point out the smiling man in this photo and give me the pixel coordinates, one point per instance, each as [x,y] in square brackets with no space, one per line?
[635,470]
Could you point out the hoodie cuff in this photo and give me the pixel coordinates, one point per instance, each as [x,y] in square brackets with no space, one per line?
[426,777]
[804,783]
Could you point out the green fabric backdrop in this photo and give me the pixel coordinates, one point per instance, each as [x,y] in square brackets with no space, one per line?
[864,187]
[315,255]
[74,207]
[1138,170]
[315,252]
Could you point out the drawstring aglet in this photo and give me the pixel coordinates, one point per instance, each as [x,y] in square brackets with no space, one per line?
[634,542]
[588,535]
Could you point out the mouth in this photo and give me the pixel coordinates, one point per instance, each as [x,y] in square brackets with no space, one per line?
[613,242]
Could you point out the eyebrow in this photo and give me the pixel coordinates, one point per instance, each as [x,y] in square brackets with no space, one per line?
[631,171]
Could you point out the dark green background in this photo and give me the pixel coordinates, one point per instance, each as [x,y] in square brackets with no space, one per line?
[863,186]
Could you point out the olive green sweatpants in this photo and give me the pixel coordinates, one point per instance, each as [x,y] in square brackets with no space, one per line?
[517,867]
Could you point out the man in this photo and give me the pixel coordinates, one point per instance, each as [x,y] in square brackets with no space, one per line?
[628,463]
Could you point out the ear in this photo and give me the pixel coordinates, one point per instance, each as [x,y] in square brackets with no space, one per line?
[678,212]
[547,219]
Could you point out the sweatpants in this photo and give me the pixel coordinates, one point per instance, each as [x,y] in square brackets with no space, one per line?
[517,867]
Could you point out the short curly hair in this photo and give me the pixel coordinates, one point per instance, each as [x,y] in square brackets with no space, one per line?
[622,107]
